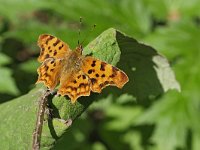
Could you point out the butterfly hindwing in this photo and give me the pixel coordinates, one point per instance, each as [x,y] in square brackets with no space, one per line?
[75,85]
[49,72]
[51,47]
[102,74]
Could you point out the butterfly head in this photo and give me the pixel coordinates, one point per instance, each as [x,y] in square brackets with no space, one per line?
[79,49]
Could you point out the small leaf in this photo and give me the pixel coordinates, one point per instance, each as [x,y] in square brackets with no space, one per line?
[7,83]
[29,66]
[4,59]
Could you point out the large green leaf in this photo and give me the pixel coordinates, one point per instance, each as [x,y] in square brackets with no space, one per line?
[147,74]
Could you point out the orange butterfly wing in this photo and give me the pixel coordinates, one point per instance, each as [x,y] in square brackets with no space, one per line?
[51,47]
[49,72]
[52,55]
[102,74]
[74,85]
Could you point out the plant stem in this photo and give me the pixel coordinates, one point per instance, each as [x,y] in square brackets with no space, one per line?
[39,122]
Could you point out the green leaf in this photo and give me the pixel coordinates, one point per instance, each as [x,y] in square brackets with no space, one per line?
[17,121]
[29,66]
[133,138]
[120,119]
[29,25]
[112,46]
[171,118]
[18,8]
[7,83]
[177,113]
[180,8]
[151,72]
[4,59]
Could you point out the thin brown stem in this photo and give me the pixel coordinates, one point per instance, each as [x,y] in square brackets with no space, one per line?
[39,122]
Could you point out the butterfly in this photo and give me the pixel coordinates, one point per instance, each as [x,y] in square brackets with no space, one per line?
[77,74]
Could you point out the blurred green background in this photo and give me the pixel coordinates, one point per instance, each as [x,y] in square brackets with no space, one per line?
[170,122]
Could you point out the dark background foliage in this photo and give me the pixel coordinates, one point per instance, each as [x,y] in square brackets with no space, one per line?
[169,122]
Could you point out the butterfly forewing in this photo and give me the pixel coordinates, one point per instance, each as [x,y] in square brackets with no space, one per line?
[51,47]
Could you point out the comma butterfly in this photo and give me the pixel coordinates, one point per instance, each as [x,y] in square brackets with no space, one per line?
[76,73]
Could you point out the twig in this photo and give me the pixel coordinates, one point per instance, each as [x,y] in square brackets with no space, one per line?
[39,122]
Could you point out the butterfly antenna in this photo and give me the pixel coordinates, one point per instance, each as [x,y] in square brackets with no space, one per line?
[92,29]
[79,31]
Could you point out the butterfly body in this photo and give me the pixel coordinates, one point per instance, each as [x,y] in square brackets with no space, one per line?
[72,61]
[77,74]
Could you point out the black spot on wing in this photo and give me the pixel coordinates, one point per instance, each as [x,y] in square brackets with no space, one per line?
[79,76]
[103,75]
[83,85]
[83,76]
[112,75]
[103,65]
[46,74]
[54,64]
[46,67]
[93,63]
[49,39]
[60,47]
[52,61]
[93,80]
[90,71]
[46,56]
[56,43]
[55,53]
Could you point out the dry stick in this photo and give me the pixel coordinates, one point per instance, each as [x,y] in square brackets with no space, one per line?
[39,122]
